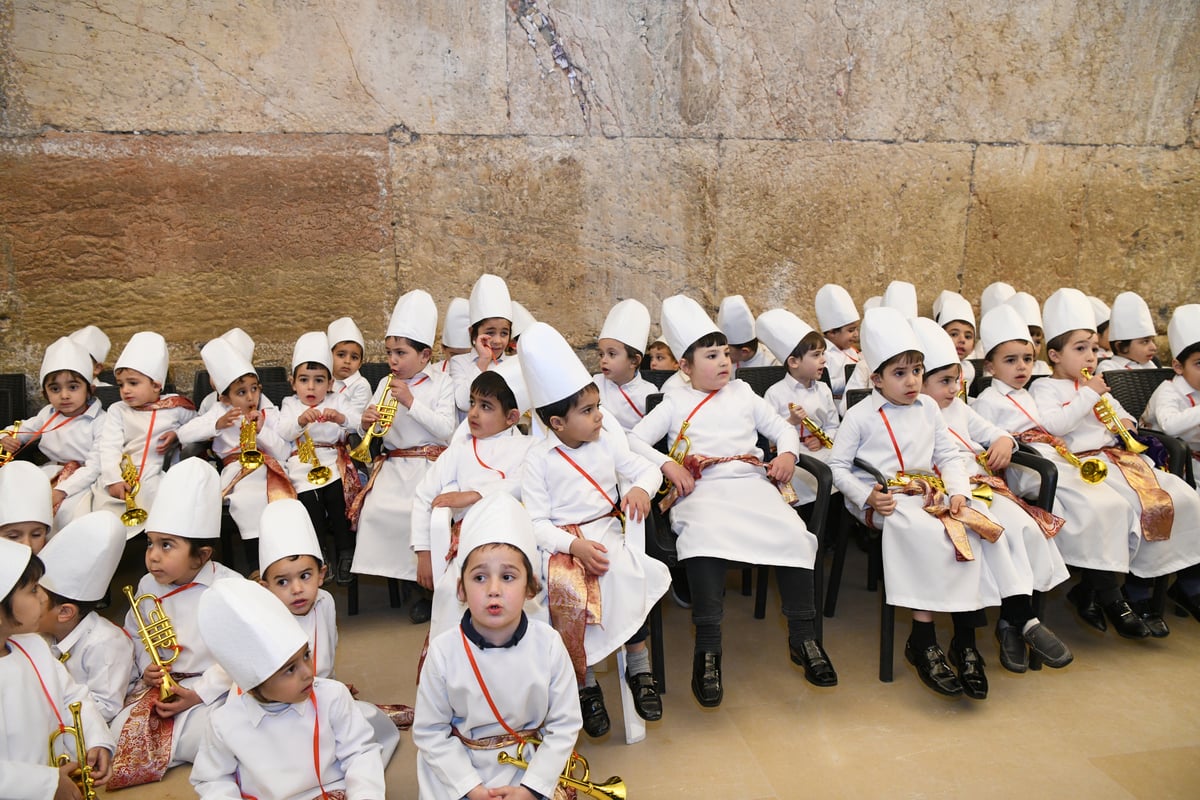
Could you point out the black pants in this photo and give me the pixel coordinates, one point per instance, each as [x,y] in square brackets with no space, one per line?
[706,576]
[326,507]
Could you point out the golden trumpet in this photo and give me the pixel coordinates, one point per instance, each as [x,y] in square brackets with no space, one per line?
[386,405]
[129,473]
[250,458]
[5,455]
[1092,470]
[678,452]
[87,786]
[157,634]
[611,789]
[306,451]
[813,428]
[1108,415]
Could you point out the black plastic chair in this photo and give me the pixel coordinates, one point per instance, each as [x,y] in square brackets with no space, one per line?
[13,397]
[374,371]
[761,378]
[275,390]
[272,374]
[201,386]
[108,395]
[657,376]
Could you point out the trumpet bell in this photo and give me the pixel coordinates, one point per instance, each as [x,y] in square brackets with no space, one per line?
[134,516]
[250,459]
[319,476]
[1093,470]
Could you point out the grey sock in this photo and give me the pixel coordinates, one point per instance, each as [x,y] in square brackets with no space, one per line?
[639,662]
[589,678]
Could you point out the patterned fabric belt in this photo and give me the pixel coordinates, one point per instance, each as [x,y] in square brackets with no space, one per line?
[279,485]
[494,742]
[354,505]
[1158,512]
[955,524]
[573,595]
[697,464]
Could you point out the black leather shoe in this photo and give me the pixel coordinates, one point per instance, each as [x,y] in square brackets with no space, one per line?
[1153,621]
[817,668]
[1124,621]
[343,568]
[1014,656]
[1189,604]
[1052,650]
[420,611]
[595,715]
[1085,604]
[970,671]
[706,679]
[646,700]
[933,670]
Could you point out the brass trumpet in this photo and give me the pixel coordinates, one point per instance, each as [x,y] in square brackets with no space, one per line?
[250,458]
[5,455]
[1108,415]
[157,634]
[1092,470]
[306,451]
[87,786]
[129,473]
[815,429]
[386,405]
[678,452]
[611,789]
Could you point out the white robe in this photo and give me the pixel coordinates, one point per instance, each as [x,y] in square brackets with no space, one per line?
[1121,362]
[817,400]
[357,390]
[100,658]
[1173,410]
[325,435]
[625,403]
[836,360]
[69,439]
[464,369]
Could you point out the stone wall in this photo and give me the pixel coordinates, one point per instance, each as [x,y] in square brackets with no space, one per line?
[188,167]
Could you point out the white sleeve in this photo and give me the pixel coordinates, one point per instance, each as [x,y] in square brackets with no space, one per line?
[535,492]
[204,427]
[439,418]
[89,471]
[1172,414]
[841,461]
[430,486]
[445,755]
[563,722]
[22,781]
[112,445]
[214,772]
[355,748]
[649,430]
[1060,419]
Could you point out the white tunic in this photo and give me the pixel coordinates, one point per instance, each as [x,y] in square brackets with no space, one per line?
[817,400]
[836,360]
[762,358]
[1173,410]
[679,380]
[533,685]
[266,751]
[325,435]
[1121,362]
[357,390]
[627,402]
[66,439]
[100,658]
[464,369]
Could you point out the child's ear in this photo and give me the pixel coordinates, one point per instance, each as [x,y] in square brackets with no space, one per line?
[460,592]
[685,366]
[322,573]
[1175,365]
[426,354]
[205,555]
[876,380]
[512,417]
[158,387]
[67,612]
[793,362]
[557,423]
[1054,356]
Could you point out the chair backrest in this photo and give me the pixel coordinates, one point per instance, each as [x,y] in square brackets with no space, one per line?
[13,402]
[201,386]
[761,378]
[1132,387]
[657,376]
[980,383]
[652,401]
[854,395]
[374,371]
[275,390]
[849,368]
[272,374]
[108,395]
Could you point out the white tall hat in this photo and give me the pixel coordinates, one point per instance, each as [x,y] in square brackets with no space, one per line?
[552,370]
[14,557]
[1130,318]
[343,329]
[146,353]
[82,557]
[629,323]
[1100,310]
[284,530]
[902,296]
[1067,310]
[188,503]
[224,363]
[939,300]
[684,323]
[885,333]
[250,633]
[993,295]
[735,320]
[935,343]
[490,298]
[1027,306]
[521,319]
[93,340]
[66,354]
[1002,324]
[872,302]
[498,519]
[24,494]
[414,317]
[456,331]
[1183,330]
[511,370]
[781,330]
[835,307]
[312,346]
[241,342]
[954,307]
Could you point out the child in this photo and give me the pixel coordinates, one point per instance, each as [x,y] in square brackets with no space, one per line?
[723,420]
[66,430]
[930,563]
[570,486]
[1131,334]
[838,319]
[285,733]
[36,692]
[80,562]
[521,321]
[661,357]
[140,429]
[1102,314]
[456,334]
[423,424]
[491,327]
[97,345]
[957,319]
[243,345]
[181,534]
[1026,306]
[623,391]
[346,346]
[500,678]
[318,422]
[25,511]
[735,320]
[901,296]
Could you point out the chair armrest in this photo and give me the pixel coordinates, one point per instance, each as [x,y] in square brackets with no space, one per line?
[1177,451]
[1047,472]
[870,470]
[819,470]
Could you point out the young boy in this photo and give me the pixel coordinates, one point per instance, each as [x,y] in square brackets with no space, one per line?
[25,510]
[243,345]
[500,678]
[97,344]
[1030,312]
[1131,334]
[521,321]
[736,321]
[347,345]
[623,390]
[491,327]
[80,562]
[838,319]
[957,319]
[285,733]
[900,296]
[1102,314]
[660,355]
[456,334]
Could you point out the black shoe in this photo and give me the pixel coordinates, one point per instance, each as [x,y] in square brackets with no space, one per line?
[1085,603]
[344,577]
[1124,621]
[420,611]
[646,700]
[1153,621]
[1189,603]
[817,667]
[1014,656]
[933,670]
[706,679]
[1052,650]
[970,671]
[595,715]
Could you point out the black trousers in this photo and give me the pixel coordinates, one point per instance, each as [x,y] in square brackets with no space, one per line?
[706,577]
[326,507]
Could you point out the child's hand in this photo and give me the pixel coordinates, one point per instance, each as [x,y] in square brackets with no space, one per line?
[308,416]
[1130,425]
[456,500]
[369,417]
[957,504]
[57,497]
[512,793]
[1097,383]
[332,415]
[403,393]
[882,501]
[781,467]
[999,455]
[796,414]
[679,475]
[165,441]
[10,443]
[153,675]
[591,555]
[636,504]
[480,792]
[118,489]
[228,419]
[252,415]
[67,790]
[425,569]
[184,699]
[100,760]
[812,443]
[483,349]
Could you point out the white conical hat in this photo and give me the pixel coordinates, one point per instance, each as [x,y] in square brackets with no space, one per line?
[885,333]
[146,353]
[66,354]
[498,519]
[1130,318]
[241,342]
[735,320]
[249,632]
[993,295]
[82,557]
[629,323]
[188,503]
[872,302]
[1183,330]
[284,530]
[552,370]
[935,343]
[93,340]
[456,331]
[510,369]
[521,319]
[1100,310]
[1067,310]
[902,296]
[489,298]
[312,347]
[14,558]
[684,323]
[954,307]
[224,364]
[414,317]
[1002,324]
[835,307]
[24,494]
[1027,306]
[343,329]
[781,330]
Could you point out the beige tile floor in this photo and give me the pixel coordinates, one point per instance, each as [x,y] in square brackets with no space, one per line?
[1123,721]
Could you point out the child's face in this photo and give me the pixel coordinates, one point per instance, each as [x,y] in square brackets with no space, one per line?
[494,586]
[942,386]
[292,682]
[661,358]
[29,605]
[347,357]
[1190,370]
[583,422]
[310,384]
[403,360]
[137,389]
[709,367]
[30,534]
[900,384]
[67,393]
[615,362]
[963,335]
[243,394]
[1078,353]
[495,331]
[1012,363]
[486,417]
[1038,337]
[844,337]
[1142,350]
[97,368]
[808,368]
[295,582]
[169,559]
